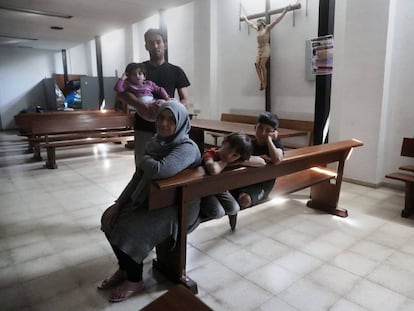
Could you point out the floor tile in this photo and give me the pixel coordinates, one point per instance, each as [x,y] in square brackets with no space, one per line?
[306,295]
[374,297]
[273,278]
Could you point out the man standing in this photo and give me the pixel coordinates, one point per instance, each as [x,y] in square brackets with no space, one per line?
[167,75]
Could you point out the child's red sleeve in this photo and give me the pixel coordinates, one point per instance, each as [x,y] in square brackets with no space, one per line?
[210,153]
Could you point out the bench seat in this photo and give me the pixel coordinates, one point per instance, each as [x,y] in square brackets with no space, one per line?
[409,168]
[51,146]
[292,183]
[303,179]
[409,191]
[407,150]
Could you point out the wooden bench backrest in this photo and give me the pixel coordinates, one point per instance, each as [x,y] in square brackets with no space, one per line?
[283,123]
[310,156]
[239,118]
[163,192]
[82,122]
[24,120]
[407,149]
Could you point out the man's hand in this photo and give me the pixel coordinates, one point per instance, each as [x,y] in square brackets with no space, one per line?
[273,135]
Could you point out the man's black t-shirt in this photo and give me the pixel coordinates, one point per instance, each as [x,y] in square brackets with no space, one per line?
[170,77]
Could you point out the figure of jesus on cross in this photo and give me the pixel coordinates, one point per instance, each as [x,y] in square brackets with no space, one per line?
[263,41]
[263,45]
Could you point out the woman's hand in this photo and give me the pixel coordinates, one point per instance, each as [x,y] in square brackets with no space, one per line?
[110,216]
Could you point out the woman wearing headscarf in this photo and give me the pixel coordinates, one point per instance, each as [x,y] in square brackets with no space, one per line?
[131,229]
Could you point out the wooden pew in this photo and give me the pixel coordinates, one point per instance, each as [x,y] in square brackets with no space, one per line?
[407,150]
[24,121]
[194,183]
[306,126]
[58,131]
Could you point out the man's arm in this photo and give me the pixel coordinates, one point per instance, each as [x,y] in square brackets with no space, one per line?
[184,98]
[148,112]
[276,154]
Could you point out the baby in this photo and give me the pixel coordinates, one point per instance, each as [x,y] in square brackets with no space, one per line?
[133,80]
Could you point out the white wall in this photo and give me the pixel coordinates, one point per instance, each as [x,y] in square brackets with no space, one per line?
[79,60]
[372,89]
[399,108]
[358,82]
[21,74]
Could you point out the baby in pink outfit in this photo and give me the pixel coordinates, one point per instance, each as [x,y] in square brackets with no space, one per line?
[133,80]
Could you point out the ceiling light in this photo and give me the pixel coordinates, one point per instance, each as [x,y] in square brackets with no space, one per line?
[17,38]
[37,12]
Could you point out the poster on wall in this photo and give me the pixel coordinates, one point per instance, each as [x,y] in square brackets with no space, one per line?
[322,55]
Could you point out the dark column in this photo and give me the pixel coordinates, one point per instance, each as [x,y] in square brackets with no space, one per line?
[323,82]
[65,67]
[99,69]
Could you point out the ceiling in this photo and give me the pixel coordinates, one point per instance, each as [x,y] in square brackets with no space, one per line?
[89,18]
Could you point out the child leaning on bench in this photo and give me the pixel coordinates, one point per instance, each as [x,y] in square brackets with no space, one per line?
[266,146]
[236,147]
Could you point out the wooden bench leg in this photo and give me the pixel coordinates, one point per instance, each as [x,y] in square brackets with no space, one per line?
[167,262]
[177,298]
[233,221]
[51,158]
[172,262]
[325,197]
[409,200]
[36,153]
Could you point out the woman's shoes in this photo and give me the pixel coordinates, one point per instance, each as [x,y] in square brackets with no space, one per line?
[126,290]
[110,282]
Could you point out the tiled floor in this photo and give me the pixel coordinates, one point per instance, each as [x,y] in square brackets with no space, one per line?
[283,255]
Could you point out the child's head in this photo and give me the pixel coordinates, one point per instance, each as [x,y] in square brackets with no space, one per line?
[135,72]
[266,124]
[236,146]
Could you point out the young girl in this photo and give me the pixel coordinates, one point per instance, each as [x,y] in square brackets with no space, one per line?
[133,80]
[235,147]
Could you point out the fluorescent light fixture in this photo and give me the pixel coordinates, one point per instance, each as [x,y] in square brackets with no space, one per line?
[6,37]
[37,12]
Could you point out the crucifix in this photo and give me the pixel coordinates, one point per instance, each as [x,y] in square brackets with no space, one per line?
[263,28]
